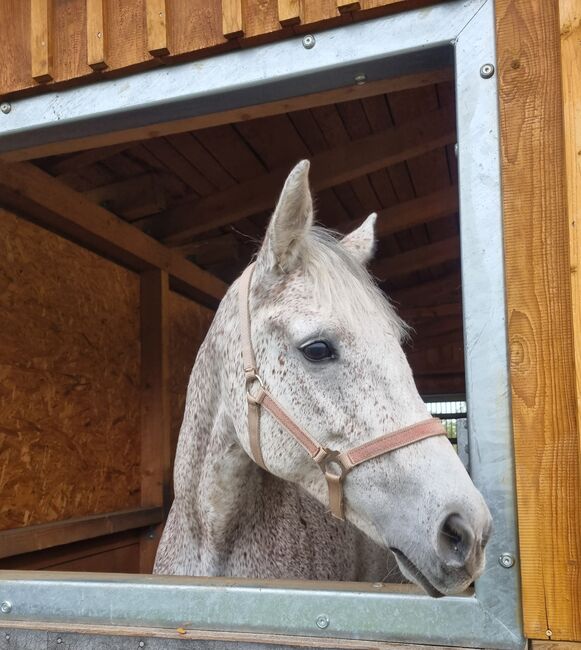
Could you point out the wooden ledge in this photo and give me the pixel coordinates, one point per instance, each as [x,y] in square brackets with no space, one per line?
[37,538]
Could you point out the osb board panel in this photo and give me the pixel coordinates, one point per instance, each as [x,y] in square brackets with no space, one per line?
[539,302]
[69,379]
[194,28]
[188,324]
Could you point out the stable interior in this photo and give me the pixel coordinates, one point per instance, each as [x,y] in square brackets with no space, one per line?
[71,404]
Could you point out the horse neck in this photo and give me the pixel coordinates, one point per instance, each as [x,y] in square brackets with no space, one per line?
[213,475]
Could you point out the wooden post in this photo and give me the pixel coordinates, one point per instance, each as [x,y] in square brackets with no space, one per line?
[540,316]
[41,40]
[155,416]
[156,17]
[96,34]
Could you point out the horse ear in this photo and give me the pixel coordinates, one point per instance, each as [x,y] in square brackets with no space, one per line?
[361,242]
[290,223]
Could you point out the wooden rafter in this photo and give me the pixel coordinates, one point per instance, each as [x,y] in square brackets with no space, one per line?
[330,168]
[418,259]
[429,292]
[389,221]
[38,196]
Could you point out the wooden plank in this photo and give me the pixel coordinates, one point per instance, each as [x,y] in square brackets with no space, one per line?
[232,26]
[418,258]
[57,556]
[157,33]
[38,196]
[96,34]
[155,409]
[35,538]
[41,40]
[132,198]
[230,639]
[429,292]
[555,645]
[289,12]
[345,6]
[228,117]
[408,214]
[328,168]
[570,28]
[539,308]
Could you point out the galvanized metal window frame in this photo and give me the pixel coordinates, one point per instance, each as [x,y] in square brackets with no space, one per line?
[460,32]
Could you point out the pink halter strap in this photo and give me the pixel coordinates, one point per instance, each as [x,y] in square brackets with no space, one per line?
[335,465]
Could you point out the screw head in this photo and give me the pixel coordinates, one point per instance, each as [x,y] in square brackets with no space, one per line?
[59,640]
[5,107]
[322,621]
[142,644]
[506,560]
[487,70]
[6,607]
[7,637]
[309,42]
[360,79]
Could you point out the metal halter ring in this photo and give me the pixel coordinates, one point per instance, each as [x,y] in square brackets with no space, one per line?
[250,379]
[332,461]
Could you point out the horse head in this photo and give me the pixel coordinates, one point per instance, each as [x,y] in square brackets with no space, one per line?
[329,347]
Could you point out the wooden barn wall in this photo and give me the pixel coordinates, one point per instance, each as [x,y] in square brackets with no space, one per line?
[188,324]
[53,44]
[69,379]
[544,327]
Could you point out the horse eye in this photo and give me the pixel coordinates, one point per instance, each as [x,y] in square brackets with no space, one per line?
[318,351]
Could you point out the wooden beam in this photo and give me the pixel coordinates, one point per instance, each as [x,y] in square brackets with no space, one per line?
[38,196]
[36,538]
[414,212]
[301,102]
[329,168]
[75,162]
[417,259]
[41,46]
[157,20]
[345,6]
[426,341]
[427,293]
[97,34]
[442,385]
[541,335]
[232,25]
[430,313]
[389,221]
[132,198]
[155,408]
[289,12]
[555,645]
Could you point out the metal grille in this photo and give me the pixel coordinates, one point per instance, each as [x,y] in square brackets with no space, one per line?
[453,412]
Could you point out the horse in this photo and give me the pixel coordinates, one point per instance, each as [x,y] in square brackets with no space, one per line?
[328,344]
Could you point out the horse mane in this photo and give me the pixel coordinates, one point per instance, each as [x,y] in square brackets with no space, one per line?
[338,278]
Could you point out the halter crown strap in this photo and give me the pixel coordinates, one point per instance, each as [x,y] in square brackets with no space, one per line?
[334,465]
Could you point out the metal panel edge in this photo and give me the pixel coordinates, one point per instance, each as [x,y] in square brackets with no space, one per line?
[485,326]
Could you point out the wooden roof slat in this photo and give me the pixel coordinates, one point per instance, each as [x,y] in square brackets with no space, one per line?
[176,163]
[38,196]
[418,259]
[329,168]
[427,292]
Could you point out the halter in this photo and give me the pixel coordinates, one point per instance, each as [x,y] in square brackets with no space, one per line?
[335,465]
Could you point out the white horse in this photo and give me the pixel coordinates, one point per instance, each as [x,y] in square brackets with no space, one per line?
[328,345]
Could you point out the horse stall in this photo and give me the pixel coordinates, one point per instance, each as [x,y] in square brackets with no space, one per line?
[143,148]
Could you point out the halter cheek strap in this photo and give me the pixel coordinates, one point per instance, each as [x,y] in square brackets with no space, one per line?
[335,465]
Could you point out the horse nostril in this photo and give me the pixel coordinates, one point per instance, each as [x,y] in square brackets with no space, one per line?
[455,540]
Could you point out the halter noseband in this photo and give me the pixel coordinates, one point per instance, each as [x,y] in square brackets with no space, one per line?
[335,465]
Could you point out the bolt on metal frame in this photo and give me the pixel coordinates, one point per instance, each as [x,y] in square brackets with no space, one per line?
[460,32]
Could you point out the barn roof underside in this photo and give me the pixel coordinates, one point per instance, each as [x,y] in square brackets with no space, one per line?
[208,194]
